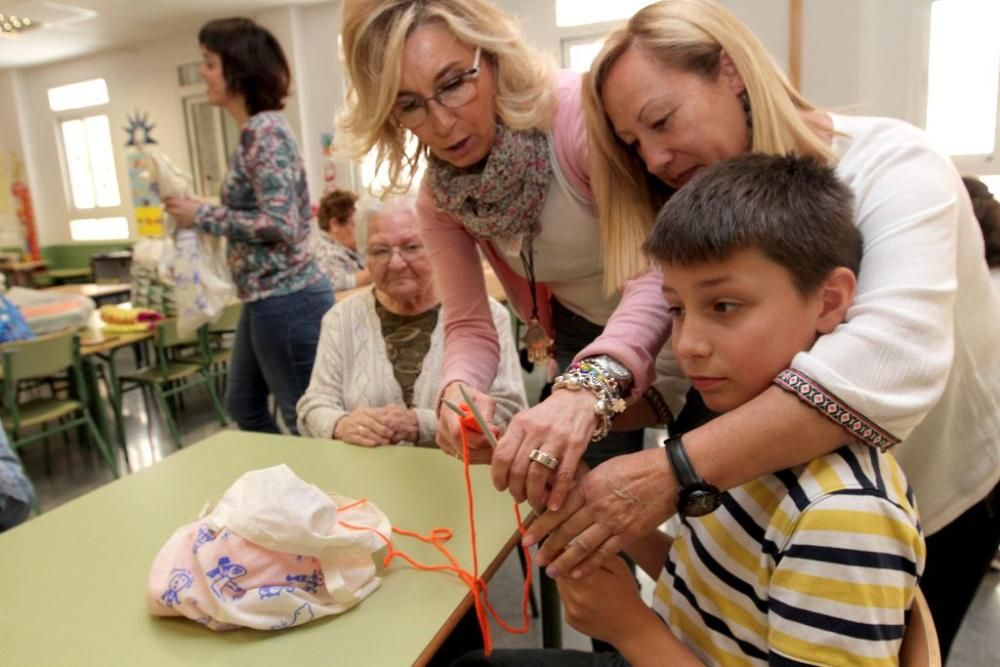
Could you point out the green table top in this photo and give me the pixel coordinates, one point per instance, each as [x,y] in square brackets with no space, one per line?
[73,579]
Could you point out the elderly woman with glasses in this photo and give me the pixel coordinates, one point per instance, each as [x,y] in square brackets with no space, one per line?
[504,137]
[377,374]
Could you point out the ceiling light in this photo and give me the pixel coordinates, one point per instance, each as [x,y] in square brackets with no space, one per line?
[12,25]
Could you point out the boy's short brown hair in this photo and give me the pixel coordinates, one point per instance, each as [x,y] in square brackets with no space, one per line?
[793,209]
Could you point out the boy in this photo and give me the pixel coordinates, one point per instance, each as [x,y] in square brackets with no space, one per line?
[817,564]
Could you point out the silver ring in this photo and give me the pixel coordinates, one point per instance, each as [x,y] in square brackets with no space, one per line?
[578,543]
[546,460]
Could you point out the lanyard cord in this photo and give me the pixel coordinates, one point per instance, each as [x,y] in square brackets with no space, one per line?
[528,260]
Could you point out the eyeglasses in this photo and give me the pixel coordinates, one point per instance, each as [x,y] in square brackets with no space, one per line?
[410,111]
[383,253]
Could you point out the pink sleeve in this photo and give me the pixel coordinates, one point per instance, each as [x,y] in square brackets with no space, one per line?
[636,331]
[471,347]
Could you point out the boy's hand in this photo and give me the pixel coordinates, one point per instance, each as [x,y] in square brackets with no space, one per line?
[605,604]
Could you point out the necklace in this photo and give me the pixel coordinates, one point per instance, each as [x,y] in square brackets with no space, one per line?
[535,339]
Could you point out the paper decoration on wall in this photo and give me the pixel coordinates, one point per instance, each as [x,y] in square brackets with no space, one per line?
[139,123]
[24,211]
[329,163]
[142,177]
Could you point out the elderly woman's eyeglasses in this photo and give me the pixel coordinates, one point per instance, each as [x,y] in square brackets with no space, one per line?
[382,253]
[411,110]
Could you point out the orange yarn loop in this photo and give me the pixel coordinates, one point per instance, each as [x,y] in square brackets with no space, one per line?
[438,536]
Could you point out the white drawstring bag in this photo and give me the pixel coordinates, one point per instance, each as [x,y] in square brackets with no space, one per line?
[273,553]
[195,264]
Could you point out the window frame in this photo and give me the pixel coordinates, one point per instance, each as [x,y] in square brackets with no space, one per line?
[981,164]
[97,212]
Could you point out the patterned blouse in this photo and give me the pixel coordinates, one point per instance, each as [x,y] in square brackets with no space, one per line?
[337,261]
[265,213]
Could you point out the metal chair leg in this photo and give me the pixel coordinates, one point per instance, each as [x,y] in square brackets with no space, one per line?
[219,411]
[102,444]
[161,401]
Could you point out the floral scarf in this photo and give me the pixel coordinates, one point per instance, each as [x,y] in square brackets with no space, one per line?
[503,202]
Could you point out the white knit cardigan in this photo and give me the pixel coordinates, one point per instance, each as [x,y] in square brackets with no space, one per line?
[352,370]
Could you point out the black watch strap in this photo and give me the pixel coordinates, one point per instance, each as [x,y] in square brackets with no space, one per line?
[695,496]
[681,464]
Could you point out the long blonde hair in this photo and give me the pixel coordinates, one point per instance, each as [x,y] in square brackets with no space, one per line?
[374,35]
[690,35]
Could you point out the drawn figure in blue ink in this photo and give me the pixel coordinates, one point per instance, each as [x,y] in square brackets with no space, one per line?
[223,576]
[310,582]
[204,535]
[180,580]
[273,591]
[303,614]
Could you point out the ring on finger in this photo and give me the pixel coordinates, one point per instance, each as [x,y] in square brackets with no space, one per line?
[547,460]
[579,544]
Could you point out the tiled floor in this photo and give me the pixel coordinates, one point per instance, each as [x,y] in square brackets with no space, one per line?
[73,471]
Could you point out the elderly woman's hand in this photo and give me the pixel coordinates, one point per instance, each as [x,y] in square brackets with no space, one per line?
[364,426]
[449,432]
[560,426]
[617,502]
[404,423]
[182,209]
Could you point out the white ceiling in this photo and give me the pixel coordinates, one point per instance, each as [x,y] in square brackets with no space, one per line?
[72,28]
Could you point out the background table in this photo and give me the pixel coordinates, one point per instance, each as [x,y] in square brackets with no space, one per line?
[73,579]
[19,273]
[99,292]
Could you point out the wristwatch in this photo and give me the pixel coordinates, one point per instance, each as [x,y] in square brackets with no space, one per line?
[696,497]
[613,369]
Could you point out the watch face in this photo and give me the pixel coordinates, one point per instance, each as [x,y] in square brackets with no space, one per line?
[700,501]
[615,368]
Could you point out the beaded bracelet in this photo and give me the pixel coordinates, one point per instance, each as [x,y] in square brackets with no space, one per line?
[585,375]
[659,406]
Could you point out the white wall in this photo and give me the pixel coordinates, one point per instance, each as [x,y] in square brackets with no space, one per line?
[859,55]
[143,79]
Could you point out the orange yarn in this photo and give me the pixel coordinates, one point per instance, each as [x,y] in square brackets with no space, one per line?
[438,536]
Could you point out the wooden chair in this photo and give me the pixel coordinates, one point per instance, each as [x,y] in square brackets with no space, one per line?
[920,643]
[38,359]
[169,375]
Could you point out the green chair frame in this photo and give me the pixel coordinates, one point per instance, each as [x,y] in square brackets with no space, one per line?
[38,359]
[219,356]
[169,375]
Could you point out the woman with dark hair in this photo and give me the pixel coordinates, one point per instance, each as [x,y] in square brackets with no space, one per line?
[265,216]
[336,246]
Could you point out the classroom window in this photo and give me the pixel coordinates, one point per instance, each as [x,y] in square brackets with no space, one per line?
[963,76]
[99,229]
[84,133]
[90,162]
[78,95]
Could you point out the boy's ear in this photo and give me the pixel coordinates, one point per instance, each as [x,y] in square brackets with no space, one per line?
[837,294]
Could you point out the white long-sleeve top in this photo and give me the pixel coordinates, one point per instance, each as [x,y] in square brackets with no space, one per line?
[352,371]
[917,359]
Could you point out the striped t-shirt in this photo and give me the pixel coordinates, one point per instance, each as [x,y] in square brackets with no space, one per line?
[814,565]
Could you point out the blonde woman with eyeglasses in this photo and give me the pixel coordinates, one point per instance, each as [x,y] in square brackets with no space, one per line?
[504,139]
